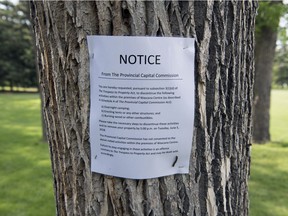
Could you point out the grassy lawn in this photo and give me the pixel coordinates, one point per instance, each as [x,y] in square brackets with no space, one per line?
[268,185]
[25,171]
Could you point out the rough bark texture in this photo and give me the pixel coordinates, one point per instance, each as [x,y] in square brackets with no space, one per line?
[264,56]
[220,159]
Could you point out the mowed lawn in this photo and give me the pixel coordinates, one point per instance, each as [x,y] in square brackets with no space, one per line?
[25,171]
[268,185]
[26,186]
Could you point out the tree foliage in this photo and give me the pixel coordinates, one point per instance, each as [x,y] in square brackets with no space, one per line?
[280,72]
[280,77]
[17,62]
[268,16]
[269,13]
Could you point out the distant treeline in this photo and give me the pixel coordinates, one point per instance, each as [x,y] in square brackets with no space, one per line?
[17,57]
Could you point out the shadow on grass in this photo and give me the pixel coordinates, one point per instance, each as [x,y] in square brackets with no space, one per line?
[281,144]
[265,200]
[26,180]
[26,183]
[268,186]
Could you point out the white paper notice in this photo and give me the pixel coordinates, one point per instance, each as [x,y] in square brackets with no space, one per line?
[142,105]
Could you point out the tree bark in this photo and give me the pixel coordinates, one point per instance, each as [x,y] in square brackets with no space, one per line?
[220,159]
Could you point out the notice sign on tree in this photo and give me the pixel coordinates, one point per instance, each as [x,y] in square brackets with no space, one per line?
[142,105]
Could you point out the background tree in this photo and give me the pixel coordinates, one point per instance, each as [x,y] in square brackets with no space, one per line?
[267,23]
[17,63]
[280,71]
[217,182]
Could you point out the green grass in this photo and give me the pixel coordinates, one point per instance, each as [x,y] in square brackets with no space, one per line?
[268,186]
[25,171]
[279,116]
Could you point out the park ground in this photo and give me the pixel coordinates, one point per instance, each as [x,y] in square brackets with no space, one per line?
[26,185]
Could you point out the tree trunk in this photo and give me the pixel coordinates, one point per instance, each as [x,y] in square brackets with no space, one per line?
[264,56]
[220,159]
[11,86]
[266,36]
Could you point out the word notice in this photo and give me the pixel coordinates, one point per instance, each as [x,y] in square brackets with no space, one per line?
[142,105]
